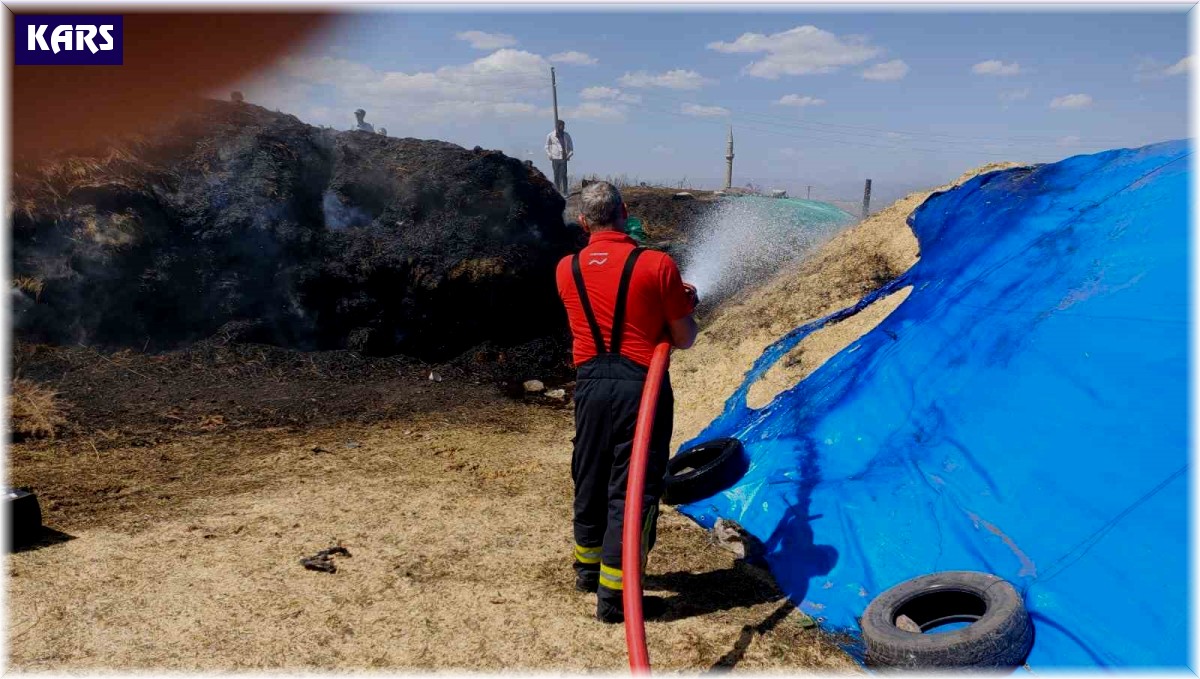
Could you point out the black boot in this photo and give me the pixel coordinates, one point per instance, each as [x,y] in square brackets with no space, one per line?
[587,580]
[612,611]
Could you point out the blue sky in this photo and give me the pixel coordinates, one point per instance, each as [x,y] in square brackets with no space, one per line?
[822,98]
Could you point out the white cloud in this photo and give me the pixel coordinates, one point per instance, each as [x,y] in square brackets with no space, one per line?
[519,71]
[1069,140]
[1010,96]
[572,57]
[502,84]
[663,150]
[677,79]
[797,100]
[440,111]
[486,41]
[591,110]
[799,51]
[511,108]
[601,93]
[996,67]
[887,70]
[1071,101]
[607,104]
[703,111]
[1152,69]
[1179,67]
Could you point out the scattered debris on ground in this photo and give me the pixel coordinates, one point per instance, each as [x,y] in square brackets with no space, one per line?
[323,560]
[731,537]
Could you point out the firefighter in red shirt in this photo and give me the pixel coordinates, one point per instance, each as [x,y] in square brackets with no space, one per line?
[621,301]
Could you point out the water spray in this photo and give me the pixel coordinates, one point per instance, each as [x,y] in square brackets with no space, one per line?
[749,237]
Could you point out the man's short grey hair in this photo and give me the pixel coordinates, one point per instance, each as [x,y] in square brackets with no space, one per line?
[601,204]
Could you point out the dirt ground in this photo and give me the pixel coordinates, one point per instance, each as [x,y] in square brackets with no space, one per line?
[180,513]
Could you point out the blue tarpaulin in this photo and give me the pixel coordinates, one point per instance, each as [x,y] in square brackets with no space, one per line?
[1023,412]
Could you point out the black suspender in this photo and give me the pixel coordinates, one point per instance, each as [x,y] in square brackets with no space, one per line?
[587,306]
[622,294]
[618,312]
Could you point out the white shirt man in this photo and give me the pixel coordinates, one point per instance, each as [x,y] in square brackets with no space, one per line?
[560,148]
[554,150]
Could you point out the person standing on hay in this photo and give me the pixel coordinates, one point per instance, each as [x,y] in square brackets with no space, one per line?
[622,301]
[362,125]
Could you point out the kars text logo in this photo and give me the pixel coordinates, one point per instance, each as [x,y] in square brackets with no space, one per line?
[69,40]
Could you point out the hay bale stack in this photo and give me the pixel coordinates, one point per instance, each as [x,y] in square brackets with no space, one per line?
[312,237]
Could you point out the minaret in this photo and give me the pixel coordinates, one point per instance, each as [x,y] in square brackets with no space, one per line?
[729,161]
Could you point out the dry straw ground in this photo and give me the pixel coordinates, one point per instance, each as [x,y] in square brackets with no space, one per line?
[458,527]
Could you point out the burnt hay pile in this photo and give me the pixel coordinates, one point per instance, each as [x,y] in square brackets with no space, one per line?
[250,224]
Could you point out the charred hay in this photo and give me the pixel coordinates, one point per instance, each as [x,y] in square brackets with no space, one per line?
[241,219]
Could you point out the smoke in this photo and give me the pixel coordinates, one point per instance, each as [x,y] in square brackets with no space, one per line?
[339,215]
[748,238]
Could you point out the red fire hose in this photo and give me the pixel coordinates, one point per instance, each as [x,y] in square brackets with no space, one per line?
[631,540]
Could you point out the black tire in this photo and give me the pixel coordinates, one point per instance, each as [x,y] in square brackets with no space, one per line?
[1000,633]
[24,517]
[704,470]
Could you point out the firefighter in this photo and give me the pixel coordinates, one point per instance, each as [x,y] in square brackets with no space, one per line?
[621,301]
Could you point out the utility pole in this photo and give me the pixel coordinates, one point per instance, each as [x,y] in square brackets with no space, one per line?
[561,141]
[809,196]
[729,161]
[866,199]
[554,93]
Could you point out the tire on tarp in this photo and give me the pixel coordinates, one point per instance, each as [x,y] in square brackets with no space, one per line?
[999,634]
[704,470]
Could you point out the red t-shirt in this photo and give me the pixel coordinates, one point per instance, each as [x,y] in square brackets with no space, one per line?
[656,297]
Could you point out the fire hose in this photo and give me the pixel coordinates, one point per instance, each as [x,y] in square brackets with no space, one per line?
[631,540]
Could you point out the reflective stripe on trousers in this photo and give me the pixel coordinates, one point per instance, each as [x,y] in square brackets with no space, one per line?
[614,578]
